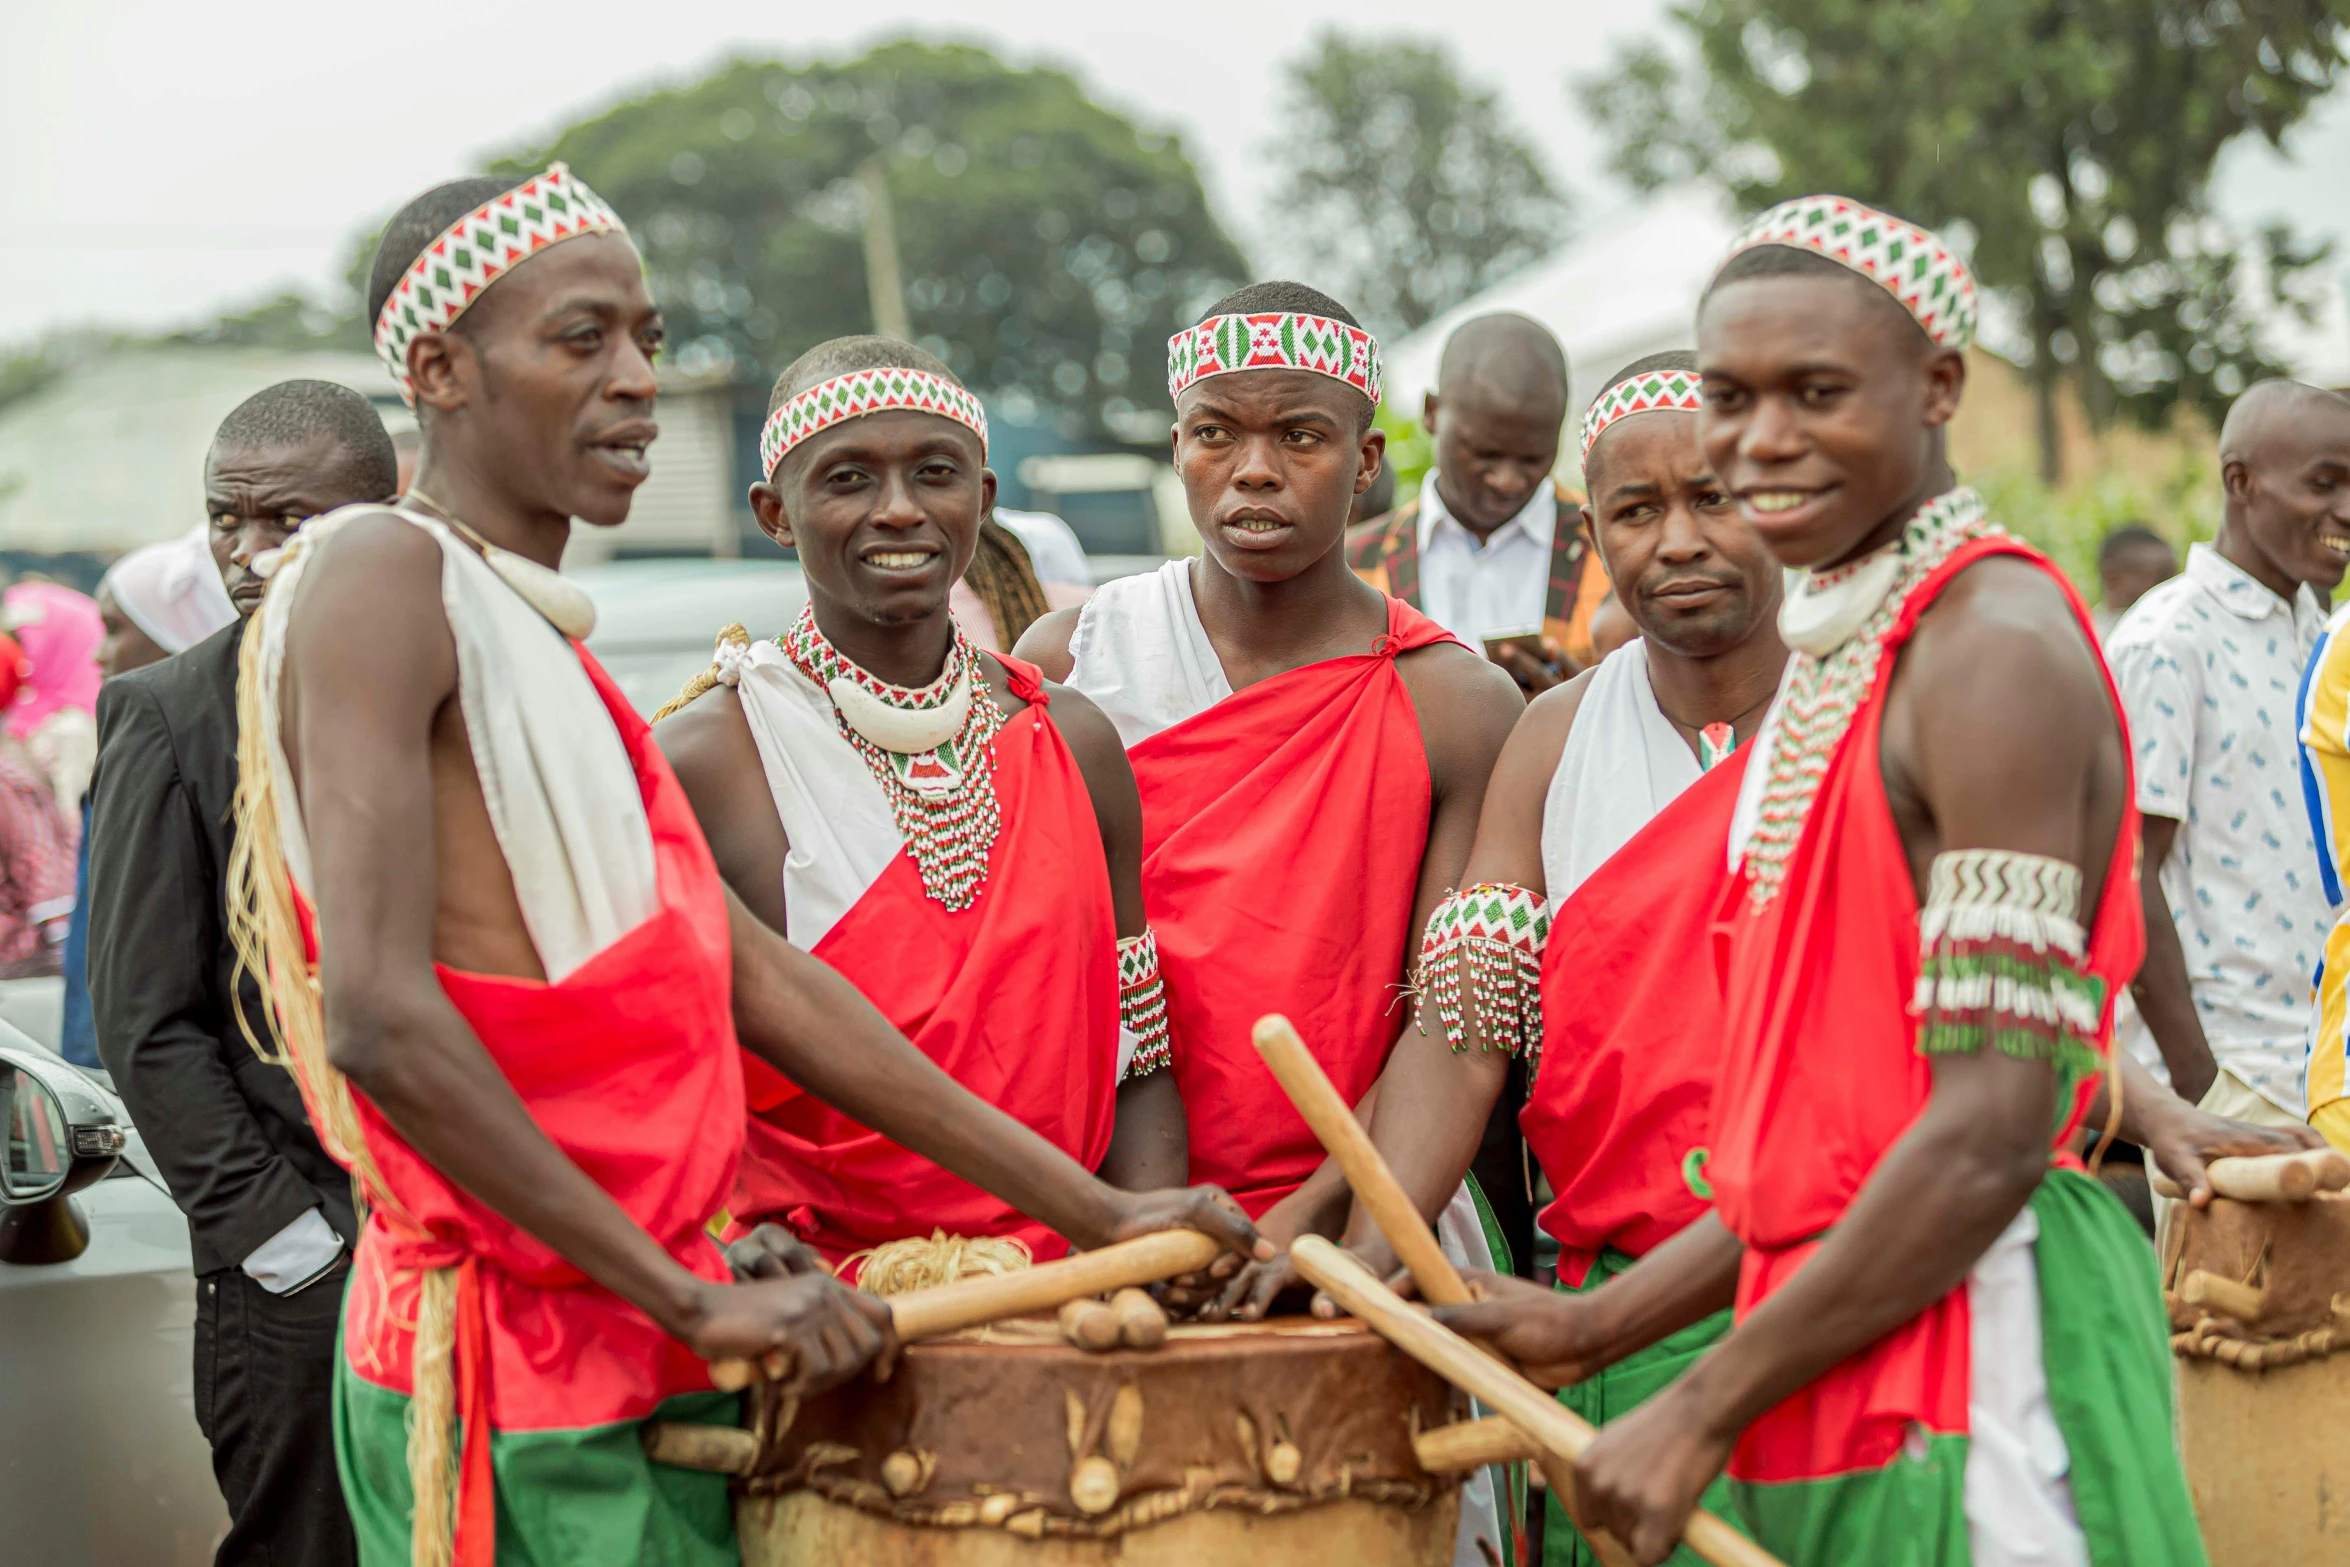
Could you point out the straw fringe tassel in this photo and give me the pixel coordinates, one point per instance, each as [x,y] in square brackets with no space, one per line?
[267,937]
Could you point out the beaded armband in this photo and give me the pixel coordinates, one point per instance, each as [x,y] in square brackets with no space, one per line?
[1484,946]
[2000,960]
[1142,1005]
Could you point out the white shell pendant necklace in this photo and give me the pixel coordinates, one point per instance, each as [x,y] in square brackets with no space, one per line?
[562,601]
[1822,609]
[932,749]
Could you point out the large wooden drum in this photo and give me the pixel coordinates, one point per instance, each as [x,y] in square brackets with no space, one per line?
[2260,1301]
[1287,1442]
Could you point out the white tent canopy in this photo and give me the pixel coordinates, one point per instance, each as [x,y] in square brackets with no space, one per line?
[1627,288]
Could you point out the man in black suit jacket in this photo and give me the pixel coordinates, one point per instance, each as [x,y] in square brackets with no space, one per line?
[269,1214]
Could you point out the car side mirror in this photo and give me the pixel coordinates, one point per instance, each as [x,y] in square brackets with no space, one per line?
[61,1136]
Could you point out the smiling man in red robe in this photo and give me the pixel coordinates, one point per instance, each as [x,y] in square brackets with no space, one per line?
[1311,753]
[502,963]
[1949,1344]
[958,838]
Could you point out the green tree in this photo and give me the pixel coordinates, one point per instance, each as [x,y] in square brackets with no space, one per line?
[1048,246]
[2071,141]
[1413,185]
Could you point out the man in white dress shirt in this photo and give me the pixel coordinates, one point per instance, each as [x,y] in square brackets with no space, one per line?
[2208,664]
[1493,547]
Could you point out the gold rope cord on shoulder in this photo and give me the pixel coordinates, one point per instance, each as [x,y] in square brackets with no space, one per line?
[267,937]
[733,636]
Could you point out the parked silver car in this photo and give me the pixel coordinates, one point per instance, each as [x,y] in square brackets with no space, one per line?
[657,620]
[103,1463]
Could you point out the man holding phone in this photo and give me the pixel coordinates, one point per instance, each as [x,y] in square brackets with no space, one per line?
[1493,549]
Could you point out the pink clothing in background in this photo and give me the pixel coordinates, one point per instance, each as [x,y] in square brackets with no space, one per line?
[59,631]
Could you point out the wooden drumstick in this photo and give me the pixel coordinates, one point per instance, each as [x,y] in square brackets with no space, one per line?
[1392,1209]
[1482,1377]
[1375,1185]
[971,1303]
[2275,1177]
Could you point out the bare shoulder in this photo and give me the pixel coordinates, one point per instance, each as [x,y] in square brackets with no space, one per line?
[2002,639]
[370,595]
[708,740]
[1466,706]
[1540,736]
[1046,644]
[373,540]
[1086,728]
[1450,683]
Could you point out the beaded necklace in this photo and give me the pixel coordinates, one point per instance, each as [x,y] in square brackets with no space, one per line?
[943,796]
[1824,690]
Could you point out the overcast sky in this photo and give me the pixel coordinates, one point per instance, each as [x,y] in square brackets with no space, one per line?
[164,160]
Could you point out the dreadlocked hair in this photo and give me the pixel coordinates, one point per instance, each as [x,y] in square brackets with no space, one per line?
[1005,579]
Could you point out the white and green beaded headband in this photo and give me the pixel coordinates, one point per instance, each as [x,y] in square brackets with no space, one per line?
[1911,263]
[477,250]
[1276,340]
[862,392]
[1650,392]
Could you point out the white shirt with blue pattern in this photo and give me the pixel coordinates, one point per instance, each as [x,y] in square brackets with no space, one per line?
[2208,664]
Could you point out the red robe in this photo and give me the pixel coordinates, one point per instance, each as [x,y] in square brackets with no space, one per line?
[1822,1075]
[1283,830]
[1015,997]
[1631,1037]
[629,1065]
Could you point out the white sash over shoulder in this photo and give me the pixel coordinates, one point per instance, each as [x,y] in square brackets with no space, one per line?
[561,792]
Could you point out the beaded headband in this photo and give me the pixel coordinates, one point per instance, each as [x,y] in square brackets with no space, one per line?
[1912,263]
[1650,392]
[1275,341]
[477,250]
[862,392]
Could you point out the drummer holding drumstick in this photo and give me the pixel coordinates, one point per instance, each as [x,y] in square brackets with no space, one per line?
[958,839]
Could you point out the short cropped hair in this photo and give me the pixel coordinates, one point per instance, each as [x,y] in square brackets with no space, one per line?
[1670,359]
[2129,536]
[294,412]
[1259,299]
[842,355]
[417,225]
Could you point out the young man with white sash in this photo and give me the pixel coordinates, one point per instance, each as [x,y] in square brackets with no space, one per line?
[1597,862]
[959,839]
[1949,1343]
[501,962]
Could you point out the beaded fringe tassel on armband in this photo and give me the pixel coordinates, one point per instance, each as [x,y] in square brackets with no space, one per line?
[1142,1005]
[2000,955]
[1487,942]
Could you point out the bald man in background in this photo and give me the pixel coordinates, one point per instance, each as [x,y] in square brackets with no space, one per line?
[1493,549]
[2209,664]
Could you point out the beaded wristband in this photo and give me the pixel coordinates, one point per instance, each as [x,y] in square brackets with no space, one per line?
[1142,1005]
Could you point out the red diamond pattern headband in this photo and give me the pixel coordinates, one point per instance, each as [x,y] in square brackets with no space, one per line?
[862,392]
[1276,341]
[1911,263]
[1651,392]
[477,250]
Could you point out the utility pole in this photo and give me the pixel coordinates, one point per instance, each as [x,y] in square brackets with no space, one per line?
[884,283]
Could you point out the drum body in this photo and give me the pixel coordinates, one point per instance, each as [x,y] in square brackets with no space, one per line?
[1280,1443]
[2261,1401]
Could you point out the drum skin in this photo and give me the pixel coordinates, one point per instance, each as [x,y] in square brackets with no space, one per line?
[1285,1442]
[2262,1405]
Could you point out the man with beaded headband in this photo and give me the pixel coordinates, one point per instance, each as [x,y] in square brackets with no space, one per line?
[1311,755]
[499,958]
[1930,899]
[958,838]
[1596,867]
[1311,752]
